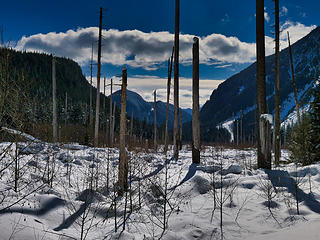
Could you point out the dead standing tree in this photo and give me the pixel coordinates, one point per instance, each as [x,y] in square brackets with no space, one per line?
[110,116]
[90,100]
[155,121]
[294,81]
[96,127]
[166,138]
[176,82]
[264,126]
[123,161]
[54,101]
[195,104]
[277,137]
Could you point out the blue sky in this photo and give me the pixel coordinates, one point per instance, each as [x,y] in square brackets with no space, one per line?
[141,36]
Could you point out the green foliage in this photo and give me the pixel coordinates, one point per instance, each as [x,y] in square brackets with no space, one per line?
[315,124]
[26,97]
[300,142]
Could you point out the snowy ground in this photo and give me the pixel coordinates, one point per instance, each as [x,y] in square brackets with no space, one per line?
[60,205]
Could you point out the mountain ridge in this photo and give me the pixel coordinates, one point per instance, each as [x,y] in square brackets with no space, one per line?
[143,110]
[238,93]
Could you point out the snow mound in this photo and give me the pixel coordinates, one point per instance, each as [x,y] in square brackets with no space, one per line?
[201,184]
[234,169]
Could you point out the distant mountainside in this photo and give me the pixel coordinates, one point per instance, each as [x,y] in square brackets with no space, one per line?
[143,110]
[32,72]
[239,91]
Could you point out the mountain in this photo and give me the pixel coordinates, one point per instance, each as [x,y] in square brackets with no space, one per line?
[143,110]
[26,88]
[238,93]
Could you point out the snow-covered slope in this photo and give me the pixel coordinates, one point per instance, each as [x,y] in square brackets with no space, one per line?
[78,193]
[239,91]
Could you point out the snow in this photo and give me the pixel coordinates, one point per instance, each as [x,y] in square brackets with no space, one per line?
[56,212]
[228,126]
[267,117]
[26,136]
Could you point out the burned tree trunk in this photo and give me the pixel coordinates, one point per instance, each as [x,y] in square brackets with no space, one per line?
[176,82]
[180,131]
[155,121]
[110,117]
[66,110]
[265,134]
[277,137]
[294,82]
[195,104]
[96,127]
[54,102]
[123,161]
[166,138]
[263,160]
[90,106]
[113,123]
[104,112]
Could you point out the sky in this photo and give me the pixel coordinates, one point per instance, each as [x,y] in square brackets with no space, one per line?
[138,34]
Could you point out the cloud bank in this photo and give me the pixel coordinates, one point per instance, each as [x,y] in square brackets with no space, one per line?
[151,50]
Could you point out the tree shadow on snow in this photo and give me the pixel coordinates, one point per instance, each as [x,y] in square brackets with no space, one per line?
[193,168]
[281,178]
[45,208]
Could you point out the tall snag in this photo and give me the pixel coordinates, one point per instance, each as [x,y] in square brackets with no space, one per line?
[176,82]
[91,87]
[264,126]
[96,127]
[294,83]
[110,117]
[155,121]
[277,137]
[195,104]
[123,161]
[54,102]
[166,138]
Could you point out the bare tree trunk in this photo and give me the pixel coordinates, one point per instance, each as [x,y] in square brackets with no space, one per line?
[195,104]
[176,81]
[180,131]
[123,161]
[66,110]
[131,126]
[96,127]
[277,136]
[104,110]
[241,129]
[113,123]
[166,138]
[54,101]
[265,134]
[91,108]
[110,116]
[261,84]
[294,82]
[155,120]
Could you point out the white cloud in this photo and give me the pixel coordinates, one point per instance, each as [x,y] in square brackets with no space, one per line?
[151,50]
[296,30]
[136,48]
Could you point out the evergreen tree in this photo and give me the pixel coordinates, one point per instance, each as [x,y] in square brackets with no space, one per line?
[300,142]
[315,124]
